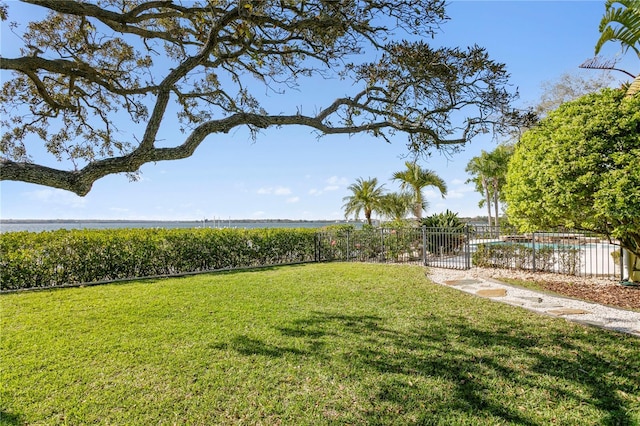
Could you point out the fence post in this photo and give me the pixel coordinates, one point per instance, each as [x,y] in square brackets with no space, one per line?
[533,246]
[622,265]
[467,247]
[424,245]
[382,256]
[348,257]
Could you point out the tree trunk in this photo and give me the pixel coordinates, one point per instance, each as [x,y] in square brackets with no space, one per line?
[367,215]
[496,204]
[633,88]
[487,198]
[632,264]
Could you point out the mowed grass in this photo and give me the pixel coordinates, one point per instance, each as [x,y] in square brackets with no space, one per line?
[305,345]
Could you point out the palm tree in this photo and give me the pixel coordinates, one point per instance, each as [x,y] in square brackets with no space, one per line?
[366,197]
[479,169]
[622,24]
[627,31]
[489,171]
[396,205]
[414,179]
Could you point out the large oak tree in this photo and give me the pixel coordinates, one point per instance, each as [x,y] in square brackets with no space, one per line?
[96,82]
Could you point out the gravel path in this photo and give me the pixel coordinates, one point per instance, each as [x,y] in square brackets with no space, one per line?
[473,282]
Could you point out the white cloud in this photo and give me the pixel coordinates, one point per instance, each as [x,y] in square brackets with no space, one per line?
[456,194]
[334,183]
[463,190]
[337,181]
[278,190]
[293,200]
[56,197]
[281,190]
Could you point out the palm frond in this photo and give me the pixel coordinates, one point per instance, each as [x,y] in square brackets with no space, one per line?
[621,24]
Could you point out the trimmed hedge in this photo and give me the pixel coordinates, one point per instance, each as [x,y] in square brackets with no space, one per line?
[55,258]
[565,260]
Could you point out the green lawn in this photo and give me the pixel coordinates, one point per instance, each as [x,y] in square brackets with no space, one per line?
[314,344]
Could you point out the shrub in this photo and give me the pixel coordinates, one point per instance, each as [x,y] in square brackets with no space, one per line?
[61,257]
[521,256]
[448,219]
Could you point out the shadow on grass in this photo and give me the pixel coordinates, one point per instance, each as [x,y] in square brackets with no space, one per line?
[154,279]
[248,346]
[10,419]
[483,370]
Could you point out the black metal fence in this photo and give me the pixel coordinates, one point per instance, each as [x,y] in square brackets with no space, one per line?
[563,252]
[439,247]
[465,247]
[106,256]
[372,245]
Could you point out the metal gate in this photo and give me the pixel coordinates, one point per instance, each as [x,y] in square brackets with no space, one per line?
[447,247]
[438,247]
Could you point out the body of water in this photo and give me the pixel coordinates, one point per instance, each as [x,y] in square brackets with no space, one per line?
[52,225]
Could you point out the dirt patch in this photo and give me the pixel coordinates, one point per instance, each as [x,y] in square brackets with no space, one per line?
[611,295]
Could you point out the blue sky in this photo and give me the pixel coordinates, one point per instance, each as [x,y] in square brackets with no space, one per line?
[290,173]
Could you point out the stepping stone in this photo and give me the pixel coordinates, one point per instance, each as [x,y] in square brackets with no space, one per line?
[594,323]
[492,292]
[568,311]
[462,282]
[549,305]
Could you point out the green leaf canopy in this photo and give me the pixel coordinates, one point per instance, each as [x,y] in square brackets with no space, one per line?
[580,168]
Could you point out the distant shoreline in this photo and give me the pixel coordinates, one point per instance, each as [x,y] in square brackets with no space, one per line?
[44,225]
[34,225]
[28,221]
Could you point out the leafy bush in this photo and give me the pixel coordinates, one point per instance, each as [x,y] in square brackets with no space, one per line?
[544,258]
[569,261]
[447,219]
[61,257]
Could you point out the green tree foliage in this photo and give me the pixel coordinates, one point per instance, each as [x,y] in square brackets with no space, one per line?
[366,196]
[396,205]
[96,82]
[621,24]
[414,179]
[579,168]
